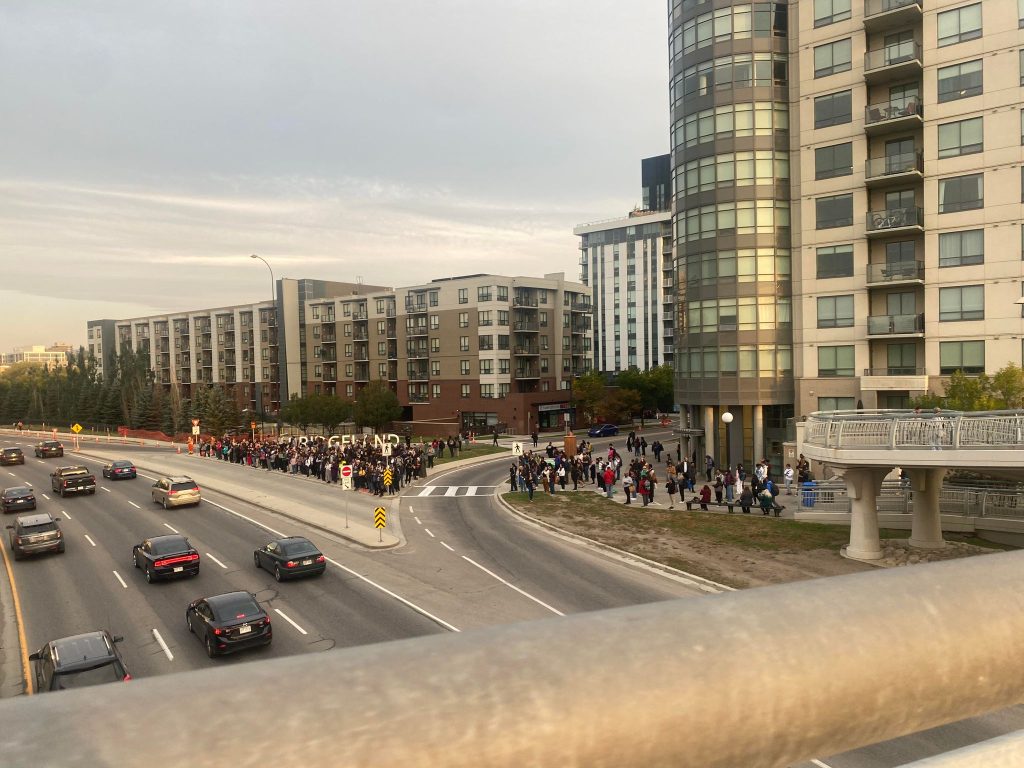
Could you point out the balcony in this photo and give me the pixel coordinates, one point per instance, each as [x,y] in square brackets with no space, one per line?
[416,308]
[891,14]
[894,378]
[360,335]
[417,352]
[392,331]
[416,330]
[419,397]
[896,325]
[526,325]
[525,350]
[907,167]
[896,273]
[330,373]
[901,61]
[362,372]
[360,315]
[418,373]
[899,115]
[527,372]
[392,371]
[581,328]
[895,221]
[582,306]
[523,301]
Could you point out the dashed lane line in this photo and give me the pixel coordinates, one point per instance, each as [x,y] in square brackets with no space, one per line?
[12,474]
[429,533]
[134,504]
[89,539]
[513,586]
[118,577]
[447,547]
[245,517]
[287,618]
[218,562]
[162,644]
[103,487]
[172,529]
[45,496]
[65,514]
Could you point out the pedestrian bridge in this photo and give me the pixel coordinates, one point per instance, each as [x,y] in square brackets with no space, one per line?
[862,447]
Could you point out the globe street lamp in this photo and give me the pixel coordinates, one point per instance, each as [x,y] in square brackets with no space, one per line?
[727,420]
[271,335]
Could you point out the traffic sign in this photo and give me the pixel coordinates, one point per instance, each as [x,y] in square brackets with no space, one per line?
[380,517]
[76,428]
[252,425]
[346,484]
[517,449]
[387,476]
[195,422]
[386,449]
[195,430]
[346,470]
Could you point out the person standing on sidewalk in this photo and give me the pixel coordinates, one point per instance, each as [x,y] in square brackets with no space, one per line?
[534,437]
[670,488]
[627,485]
[495,436]
[512,478]
[609,481]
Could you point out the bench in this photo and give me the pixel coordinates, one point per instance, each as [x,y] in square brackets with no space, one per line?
[695,502]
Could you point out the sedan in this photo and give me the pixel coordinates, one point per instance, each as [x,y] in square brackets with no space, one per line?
[290,558]
[229,622]
[17,498]
[48,449]
[166,557]
[11,456]
[603,430]
[119,470]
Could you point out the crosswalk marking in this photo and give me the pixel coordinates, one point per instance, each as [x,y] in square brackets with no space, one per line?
[456,490]
[452,490]
[427,491]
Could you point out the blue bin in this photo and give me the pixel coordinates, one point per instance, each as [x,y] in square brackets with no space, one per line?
[808,494]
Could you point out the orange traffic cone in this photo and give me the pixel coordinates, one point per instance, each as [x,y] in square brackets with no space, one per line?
[179,448]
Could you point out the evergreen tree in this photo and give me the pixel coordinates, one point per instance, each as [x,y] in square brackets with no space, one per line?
[376,406]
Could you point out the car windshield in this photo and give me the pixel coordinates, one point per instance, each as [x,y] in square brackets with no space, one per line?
[184,487]
[12,450]
[122,464]
[297,548]
[28,530]
[169,545]
[235,607]
[108,672]
[17,491]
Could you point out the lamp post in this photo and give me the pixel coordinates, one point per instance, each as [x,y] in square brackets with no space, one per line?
[271,335]
[570,421]
[727,420]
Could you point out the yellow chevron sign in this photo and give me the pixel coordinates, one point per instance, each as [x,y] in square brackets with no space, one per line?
[380,517]
[387,476]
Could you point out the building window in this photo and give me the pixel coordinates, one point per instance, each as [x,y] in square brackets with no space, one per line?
[835,261]
[382,370]
[435,367]
[964,137]
[961,193]
[463,343]
[833,109]
[1020,13]
[435,345]
[435,390]
[484,318]
[434,298]
[503,365]
[502,341]
[487,390]
[966,356]
[543,319]
[348,370]
[316,352]
[502,293]
[964,302]
[836,361]
[832,161]
[486,366]
[960,81]
[465,390]
[348,350]
[435,322]
[832,58]
[835,403]
[834,211]
[317,371]
[316,314]
[959,25]
[830,11]
[958,249]
[503,316]
[346,329]
[503,390]
[486,342]
[835,311]
[464,367]
[463,319]
[483,293]
[463,296]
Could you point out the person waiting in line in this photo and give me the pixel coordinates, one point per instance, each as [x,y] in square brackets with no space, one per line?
[719,486]
[671,488]
[609,481]
[512,472]
[705,497]
[746,499]
[627,486]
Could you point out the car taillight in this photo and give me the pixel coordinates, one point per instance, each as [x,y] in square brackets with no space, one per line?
[171,493]
[321,559]
[172,560]
[266,621]
[219,631]
[17,540]
[126,677]
[290,564]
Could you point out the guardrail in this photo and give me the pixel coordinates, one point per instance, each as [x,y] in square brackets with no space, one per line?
[893,430]
[718,681]
[896,498]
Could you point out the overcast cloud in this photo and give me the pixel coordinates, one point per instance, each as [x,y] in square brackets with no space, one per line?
[149,147]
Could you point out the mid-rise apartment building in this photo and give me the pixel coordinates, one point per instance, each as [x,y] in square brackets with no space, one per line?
[40,354]
[627,263]
[848,204]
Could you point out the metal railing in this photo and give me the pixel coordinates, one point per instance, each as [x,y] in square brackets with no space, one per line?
[875,7]
[897,498]
[892,430]
[895,370]
[895,271]
[895,218]
[891,55]
[893,165]
[720,681]
[883,325]
[892,110]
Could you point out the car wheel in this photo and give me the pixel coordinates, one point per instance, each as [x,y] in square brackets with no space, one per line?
[256,559]
[149,575]
[188,621]
[210,650]
[277,572]
[92,491]
[60,549]
[165,503]
[60,492]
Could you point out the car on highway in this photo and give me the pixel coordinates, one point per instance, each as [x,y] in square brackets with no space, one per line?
[290,558]
[48,449]
[78,479]
[227,623]
[166,557]
[78,661]
[602,430]
[121,469]
[176,491]
[18,498]
[9,456]
[34,534]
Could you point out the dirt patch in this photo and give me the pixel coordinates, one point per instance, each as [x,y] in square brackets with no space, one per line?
[738,550]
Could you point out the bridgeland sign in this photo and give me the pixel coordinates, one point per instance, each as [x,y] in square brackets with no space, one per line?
[378,441]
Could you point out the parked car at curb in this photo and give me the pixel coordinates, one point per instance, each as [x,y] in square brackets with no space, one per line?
[176,491]
[48,449]
[9,456]
[17,498]
[78,661]
[165,557]
[119,470]
[603,430]
[79,479]
[230,622]
[290,558]
[34,534]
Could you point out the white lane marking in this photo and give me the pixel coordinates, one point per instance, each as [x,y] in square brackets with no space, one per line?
[820,764]
[118,577]
[103,487]
[452,490]
[218,562]
[513,586]
[45,496]
[472,490]
[427,490]
[400,599]
[418,522]
[134,505]
[447,547]
[12,474]
[89,539]
[287,618]
[65,514]
[170,528]
[163,645]
[145,476]
[245,517]
[431,535]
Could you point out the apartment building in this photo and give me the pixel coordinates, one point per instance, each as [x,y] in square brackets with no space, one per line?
[39,354]
[483,350]
[627,263]
[848,205]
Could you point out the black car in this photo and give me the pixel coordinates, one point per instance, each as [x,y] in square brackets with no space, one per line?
[119,470]
[290,558]
[11,456]
[49,449]
[17,498]
[78,661]
[32,534]
[229,622]
[603,430]
[166,557]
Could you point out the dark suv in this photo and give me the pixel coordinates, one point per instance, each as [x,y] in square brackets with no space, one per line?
[11,456]
[32,534]
[48,449]
[78,661]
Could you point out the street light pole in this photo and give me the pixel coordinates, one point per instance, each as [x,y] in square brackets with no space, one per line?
[273,328]
[727,420]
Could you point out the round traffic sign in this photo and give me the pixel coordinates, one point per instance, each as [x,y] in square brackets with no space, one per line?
[346,470]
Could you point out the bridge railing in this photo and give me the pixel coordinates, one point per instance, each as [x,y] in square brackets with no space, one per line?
[949,430]
[895,498]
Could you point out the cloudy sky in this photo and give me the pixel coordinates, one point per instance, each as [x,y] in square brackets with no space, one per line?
[149,147]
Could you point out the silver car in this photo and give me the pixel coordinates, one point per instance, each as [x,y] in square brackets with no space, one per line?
[176,491]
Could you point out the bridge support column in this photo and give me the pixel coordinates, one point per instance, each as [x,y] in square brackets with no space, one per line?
[863,484]
[926,527]
[709,438]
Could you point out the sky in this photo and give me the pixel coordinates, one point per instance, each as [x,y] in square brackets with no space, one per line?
[146,149]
